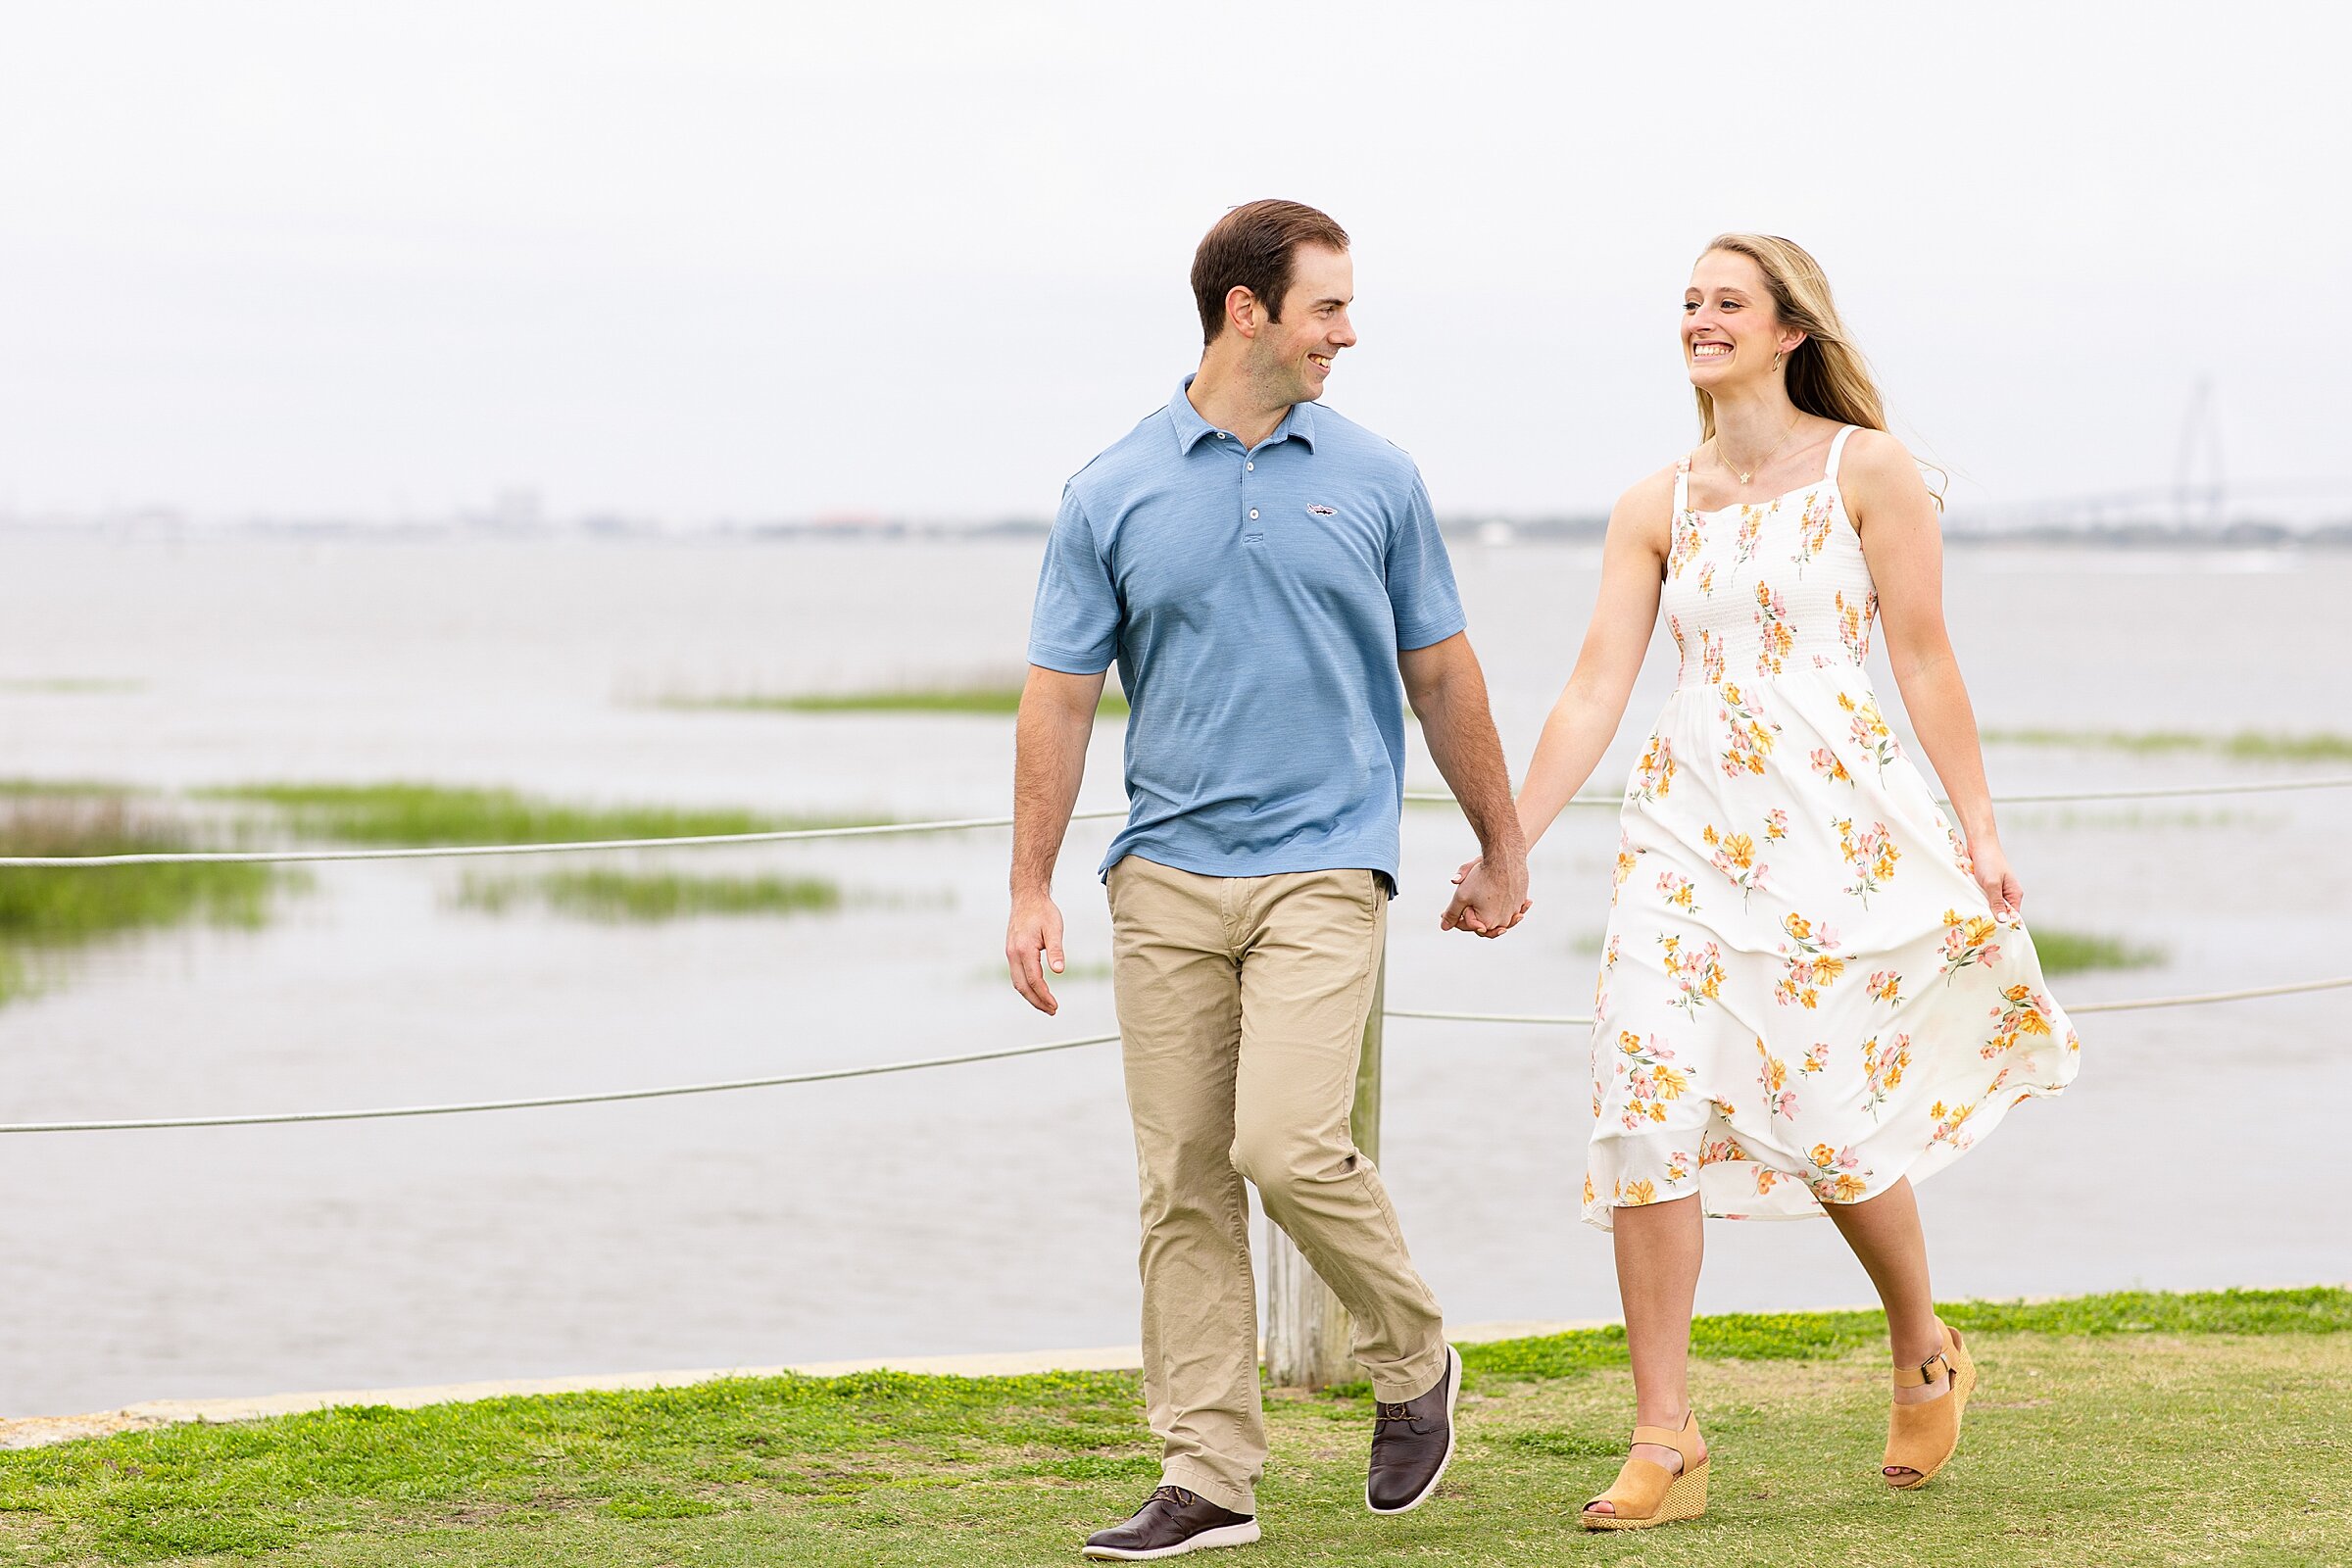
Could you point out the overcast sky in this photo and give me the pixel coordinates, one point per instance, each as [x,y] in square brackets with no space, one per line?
[692,261]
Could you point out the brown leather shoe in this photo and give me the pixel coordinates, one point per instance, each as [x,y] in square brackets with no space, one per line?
[1172,1523]
[1411,1443]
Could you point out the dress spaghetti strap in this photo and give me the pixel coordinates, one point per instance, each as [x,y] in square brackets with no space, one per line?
[1837,449]
[1682,485]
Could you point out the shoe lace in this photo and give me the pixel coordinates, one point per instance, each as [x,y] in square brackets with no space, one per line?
[1174,1495]
[1385,1411]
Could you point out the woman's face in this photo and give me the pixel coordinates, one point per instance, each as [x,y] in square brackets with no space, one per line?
[1731,332]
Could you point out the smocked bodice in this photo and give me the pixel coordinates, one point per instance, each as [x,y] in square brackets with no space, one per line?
[1761,590]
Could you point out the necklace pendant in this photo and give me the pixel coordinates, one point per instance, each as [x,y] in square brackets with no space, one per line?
[1744,479]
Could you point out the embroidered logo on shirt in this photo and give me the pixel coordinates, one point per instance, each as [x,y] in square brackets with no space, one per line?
[1324,511]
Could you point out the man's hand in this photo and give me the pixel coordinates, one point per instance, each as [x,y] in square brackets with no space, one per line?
[1488,899]
[1035,929]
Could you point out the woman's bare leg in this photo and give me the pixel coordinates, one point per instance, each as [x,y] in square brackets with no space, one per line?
[1886,1235]
[1658,1251]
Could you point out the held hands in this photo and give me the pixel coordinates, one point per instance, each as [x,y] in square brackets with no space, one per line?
[1488,899]
[1033,930]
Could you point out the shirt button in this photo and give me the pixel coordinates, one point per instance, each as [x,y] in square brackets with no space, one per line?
[1250,466]
[1220,435]
[1253,513]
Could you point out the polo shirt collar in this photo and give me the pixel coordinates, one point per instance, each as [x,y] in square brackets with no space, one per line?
[1192,429]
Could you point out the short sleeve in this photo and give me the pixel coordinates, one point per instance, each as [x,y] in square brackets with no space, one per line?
[1074,626]
[1422,595]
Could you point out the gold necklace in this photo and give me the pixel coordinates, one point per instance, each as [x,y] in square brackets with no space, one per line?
[1750,473]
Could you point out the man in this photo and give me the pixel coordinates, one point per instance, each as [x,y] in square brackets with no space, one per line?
[1264,570]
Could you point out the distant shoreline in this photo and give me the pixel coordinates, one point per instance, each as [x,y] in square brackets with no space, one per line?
[2245,535]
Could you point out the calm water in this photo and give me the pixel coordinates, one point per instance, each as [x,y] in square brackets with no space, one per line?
[988,1207]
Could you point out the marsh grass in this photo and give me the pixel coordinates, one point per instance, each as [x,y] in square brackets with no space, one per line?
[651,895]
[982,699]
[2093,1441]
[2064,951]
[2249,746]
[406,813]
[45,912]
[69,685]
[63,789]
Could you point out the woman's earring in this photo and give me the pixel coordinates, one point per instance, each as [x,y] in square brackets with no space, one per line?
[1776,359]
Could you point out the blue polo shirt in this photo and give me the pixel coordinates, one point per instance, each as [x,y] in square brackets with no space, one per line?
[1256,600]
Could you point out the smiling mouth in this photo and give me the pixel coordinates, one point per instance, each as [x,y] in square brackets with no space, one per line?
[1321,362]
[1711,350]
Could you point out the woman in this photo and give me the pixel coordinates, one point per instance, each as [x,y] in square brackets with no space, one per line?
[1812,990]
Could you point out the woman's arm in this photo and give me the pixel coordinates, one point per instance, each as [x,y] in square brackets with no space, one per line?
[1903,539]
[1584,720]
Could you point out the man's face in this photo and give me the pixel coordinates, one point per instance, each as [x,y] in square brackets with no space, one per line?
[1290,360]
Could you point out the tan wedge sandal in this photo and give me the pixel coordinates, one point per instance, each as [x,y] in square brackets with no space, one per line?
[1920,1437]
[1647,1492]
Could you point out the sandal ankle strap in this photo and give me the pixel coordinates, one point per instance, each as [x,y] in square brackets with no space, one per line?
[1924,1374]
[1679,1438]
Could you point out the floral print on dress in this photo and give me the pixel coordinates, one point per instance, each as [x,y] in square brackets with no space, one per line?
[1838,1174]
[1655,774]
[1686,540]
[1883,1069]
[1870,732]
[1735,857]
[2025,1011]
[1751,529]
[1967,940]
[1854,624]
[1870,855]
[1808,961]
[1773,1077]
[1696,974]
[1651,1080]
[1903,1021]
[1813,527]
[1774,637]
[1751,733]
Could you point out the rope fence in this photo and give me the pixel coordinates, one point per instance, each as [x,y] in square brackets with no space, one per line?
[880,1069]
[953,824]
[446,851]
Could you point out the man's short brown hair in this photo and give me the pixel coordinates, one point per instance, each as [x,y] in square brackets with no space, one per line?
[1253,247]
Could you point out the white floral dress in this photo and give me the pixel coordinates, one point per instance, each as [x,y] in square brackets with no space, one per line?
[1803,995]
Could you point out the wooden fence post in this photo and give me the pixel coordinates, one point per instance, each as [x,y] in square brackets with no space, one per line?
[1307,1332]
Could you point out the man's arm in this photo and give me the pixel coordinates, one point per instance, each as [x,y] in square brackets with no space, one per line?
[1058,718]
[1449,691]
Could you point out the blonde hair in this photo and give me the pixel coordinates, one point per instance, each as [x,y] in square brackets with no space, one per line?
[1826,374]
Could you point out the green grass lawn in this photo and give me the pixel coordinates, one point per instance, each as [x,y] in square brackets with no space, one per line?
[2112,1430]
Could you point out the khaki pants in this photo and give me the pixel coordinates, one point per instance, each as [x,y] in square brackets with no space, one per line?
[1241,1004]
